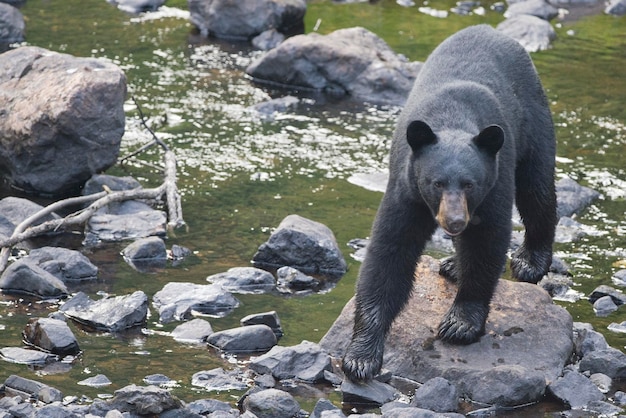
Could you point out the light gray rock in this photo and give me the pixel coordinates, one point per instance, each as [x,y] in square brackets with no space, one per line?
[619,278]
[539,8]
[31,389]
[575,390]
[616,7]
[51,335]
[177,301]
[244,19]
[244,280]
[587,340]
[373,392]
[195,331]
[304,244]
[250,339]
[268,39]
[266,318]
[12,26]
[572,198]
[305,361]
[137,6]
[21,355]
[438,395]
[219,379]
[65,264]
[97,381]
[351,61]
[525,329]
[25,277]
[533,33]
[610,361]
[293,280]
[604,306]
[75,124]
[109,314]
[271,403]
[127,220]
[602,381]
[618,297]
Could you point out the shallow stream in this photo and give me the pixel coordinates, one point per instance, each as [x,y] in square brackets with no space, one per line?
[240,175]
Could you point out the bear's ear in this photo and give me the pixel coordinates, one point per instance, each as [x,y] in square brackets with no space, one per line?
[419,134]
[490,139]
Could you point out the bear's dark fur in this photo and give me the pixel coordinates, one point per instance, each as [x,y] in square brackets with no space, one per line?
[475,134]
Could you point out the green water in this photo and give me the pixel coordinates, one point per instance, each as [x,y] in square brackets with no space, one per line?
[195,94]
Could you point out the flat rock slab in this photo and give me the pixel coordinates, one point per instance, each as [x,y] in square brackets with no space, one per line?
[524,331]
[110,314]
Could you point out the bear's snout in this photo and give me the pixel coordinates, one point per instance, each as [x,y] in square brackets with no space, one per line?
[453,216]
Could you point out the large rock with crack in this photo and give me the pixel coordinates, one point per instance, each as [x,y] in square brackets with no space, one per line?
[528,340]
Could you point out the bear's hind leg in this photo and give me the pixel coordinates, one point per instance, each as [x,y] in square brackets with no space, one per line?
[536,202]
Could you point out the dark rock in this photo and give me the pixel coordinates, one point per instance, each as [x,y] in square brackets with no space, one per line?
[100,182]
[97,381]
[67,265]
[195,331]
[249,339]
[25,277]
[177,301]
[12,26]
[53,144]
[148,400]
[352,61]
[179,253]
[218,379]
[324,405]
[208,406]
[31,389]
[291,279]
[245,20]
[538,8]
[587,340]
[372,392]
[332,378]
[14,210]
[271,403]
[128,220]
[305,361]
[266,318]
[51,335]
[146,254]
[20,355]
[137,6]
[525,329]
[572,198]
[244,280]
[618,297]
[110,314]
[610,361]
[575,390]
[619,278]
[437,394]
[533,33]
[268,39]
[303,244]
[616,7]
[604,306]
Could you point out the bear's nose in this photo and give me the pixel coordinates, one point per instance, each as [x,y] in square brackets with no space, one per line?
[454,226]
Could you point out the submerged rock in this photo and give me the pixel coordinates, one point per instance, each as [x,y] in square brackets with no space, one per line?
[25,277]
[248,339]
[65,264]
[305,361]
[244,280]
[304,244]
[195,331]
[525,332]
[178,301]
[64,119]
[146,254]
[110,314]
[219,379]
[51,335]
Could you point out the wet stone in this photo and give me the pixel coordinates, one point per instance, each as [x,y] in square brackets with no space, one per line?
[291,279]
[208,406]
[110,314]
[373,392]
[219,379]
[248,339]
[619,278]
[25,277]
[27,389]
[438,395]
[575,390]
[265,318]
[610,361]
[146,254]
[244,280]
[67,265]
[572,198]
[148,400]
[178,300]
[324,405]
[51,335]
[20,355]
[305,361]
[159,380]
[195,331]
[271,403]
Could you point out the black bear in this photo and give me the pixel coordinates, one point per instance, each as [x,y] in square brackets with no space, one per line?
[476,133]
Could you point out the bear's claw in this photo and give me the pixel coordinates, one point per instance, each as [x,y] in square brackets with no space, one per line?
[360,368]
[529,266]
[464,323]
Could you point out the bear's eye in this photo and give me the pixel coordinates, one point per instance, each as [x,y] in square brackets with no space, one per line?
[438,184]
[468,186]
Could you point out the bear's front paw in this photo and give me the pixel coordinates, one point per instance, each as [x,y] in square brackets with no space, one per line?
[529,266]
[447,269]
[361,363]
[464,323]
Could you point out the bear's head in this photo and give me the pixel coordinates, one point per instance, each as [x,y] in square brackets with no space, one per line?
[454,170]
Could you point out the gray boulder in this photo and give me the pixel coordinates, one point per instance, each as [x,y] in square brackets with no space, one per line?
[12,26]
[25,277]
[143,400]
[249,339]
[195,331]
[127,220]
[533,33]
[616,7]
[572,198]
[21,355]
[51,335]
[14,210]
[587,340]
[293,280]
[65,264]
[305,361]
[304,244]
[244,280]
[525,332]
[73,129]
[438,395]
[110,314]
[372,392]
[575,390]
[539,8]
[610,361]
[247,19]
[177,301]
[352,61]
[266,318]
[271,403]
[146,254]
[31,389]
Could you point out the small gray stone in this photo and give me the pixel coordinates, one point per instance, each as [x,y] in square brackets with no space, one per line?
[159,380]
[610,361]
[266,318]
[294,280]
[51,335]
[27,389]
[176,301]
[96,381]
[604,306]
[244,280]
[148,248]
[67,265]
[619,278]
[219,380]
[305,361]
[572,197]
[373,392]
[618,297]
[195,331]
[438,395]
[271,403]
[249,339]
[533,33]
[575,390]
[602,381]
[587,340]
[20,355]
[148,400]
[324,405]
[25,277]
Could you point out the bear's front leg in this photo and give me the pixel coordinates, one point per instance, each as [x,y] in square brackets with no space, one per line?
[479,261]
[385,282]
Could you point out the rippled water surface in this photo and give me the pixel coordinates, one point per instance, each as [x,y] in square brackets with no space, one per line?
[241,174]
